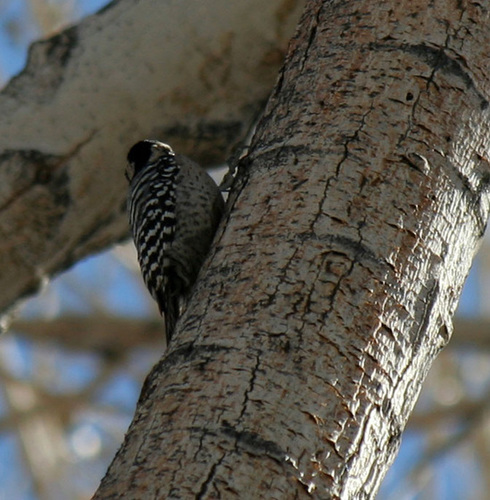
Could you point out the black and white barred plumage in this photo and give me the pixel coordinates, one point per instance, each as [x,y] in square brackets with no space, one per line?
[174,209]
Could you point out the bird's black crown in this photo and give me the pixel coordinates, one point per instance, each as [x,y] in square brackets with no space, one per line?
[141,154]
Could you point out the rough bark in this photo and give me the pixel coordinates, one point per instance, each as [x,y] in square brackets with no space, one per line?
[363,202]
[176,71]
[332,287]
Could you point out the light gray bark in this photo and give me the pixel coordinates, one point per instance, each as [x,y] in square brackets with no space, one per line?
[191,73]
[332,287]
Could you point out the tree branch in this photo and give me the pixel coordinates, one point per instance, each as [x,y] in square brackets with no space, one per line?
[177,71]
[106,334]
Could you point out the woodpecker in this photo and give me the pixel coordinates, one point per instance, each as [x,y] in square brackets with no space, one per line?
[174,208]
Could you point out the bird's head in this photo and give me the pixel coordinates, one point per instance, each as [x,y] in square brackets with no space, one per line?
[143,154]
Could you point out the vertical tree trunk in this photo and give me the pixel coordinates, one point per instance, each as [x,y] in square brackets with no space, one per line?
[330,291]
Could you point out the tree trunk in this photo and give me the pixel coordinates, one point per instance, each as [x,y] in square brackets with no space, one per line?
[332,285]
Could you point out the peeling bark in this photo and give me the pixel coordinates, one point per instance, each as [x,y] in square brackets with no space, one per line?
[331,289]
[175,71]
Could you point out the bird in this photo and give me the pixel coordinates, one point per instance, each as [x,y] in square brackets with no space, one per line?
[174,209]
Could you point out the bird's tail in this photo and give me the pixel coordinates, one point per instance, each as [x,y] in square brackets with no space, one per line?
[171,312]
[169,299]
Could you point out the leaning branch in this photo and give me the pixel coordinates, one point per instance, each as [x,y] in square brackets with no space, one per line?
[170,70]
